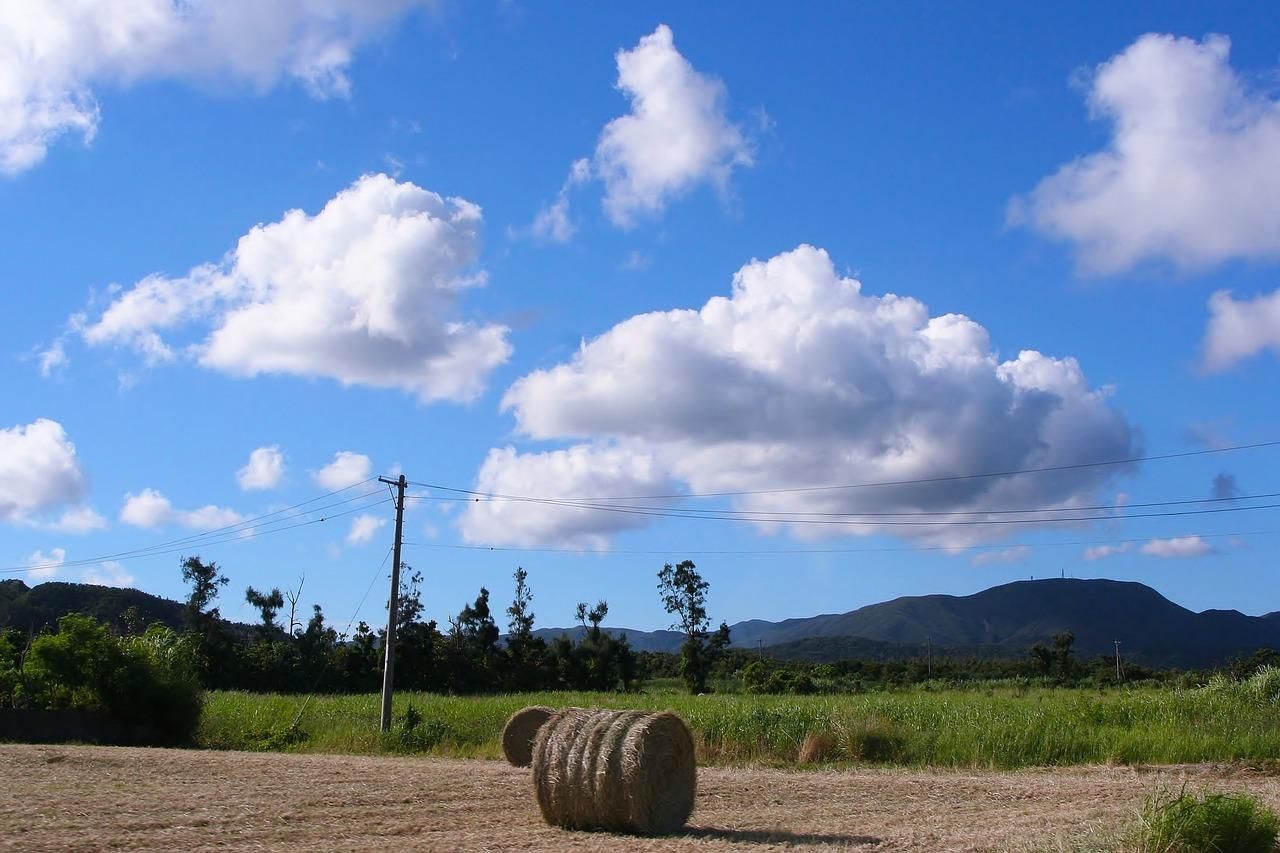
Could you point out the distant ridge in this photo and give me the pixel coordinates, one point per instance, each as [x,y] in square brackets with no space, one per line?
[39,606]
[1005,621]
[1000,622]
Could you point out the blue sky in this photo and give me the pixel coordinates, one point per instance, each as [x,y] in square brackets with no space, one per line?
[566,251]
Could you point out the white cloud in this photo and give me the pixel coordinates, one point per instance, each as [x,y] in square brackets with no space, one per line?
[800,379]
[43,566]
[1239,329]
[53,359]
[1101,552]
[108,573]
[346,469]
[1014,554]
[150,509]
[363,527]
[676,136]
[583,472]
[552,224]
[55,53]
[264,469]
[81,519]
[1192,172]
[39,470]
[365,292]
[1181,546]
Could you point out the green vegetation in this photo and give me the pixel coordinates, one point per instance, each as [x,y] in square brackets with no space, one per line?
[1000,726]
[148,680]
[1203,823]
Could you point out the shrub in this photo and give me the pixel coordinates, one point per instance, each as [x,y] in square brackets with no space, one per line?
[1204,823]
[415,733]
[148,681]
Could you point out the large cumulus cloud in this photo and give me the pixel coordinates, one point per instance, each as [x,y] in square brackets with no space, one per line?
[53,53]
[364,292]
[796,379]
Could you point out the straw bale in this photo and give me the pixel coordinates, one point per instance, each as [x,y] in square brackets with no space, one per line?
[628,771]
[519,732]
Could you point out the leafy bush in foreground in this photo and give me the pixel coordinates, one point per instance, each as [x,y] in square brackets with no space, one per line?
[1204,823]
[149,680]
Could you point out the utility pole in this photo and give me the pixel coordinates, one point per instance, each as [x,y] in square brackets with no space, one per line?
[1119,671]
[389,665]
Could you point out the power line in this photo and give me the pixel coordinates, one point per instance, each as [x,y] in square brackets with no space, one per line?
[713,515]
[750,514]
[152,552]
[195,538]
[770,552]
[869,485]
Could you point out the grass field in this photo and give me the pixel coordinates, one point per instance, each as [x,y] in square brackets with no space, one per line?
[991,728]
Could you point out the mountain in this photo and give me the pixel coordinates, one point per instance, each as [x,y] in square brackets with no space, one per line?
[641,641]
[1005,621]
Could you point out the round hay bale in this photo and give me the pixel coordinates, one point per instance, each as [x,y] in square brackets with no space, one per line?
[624,771]
[520,730]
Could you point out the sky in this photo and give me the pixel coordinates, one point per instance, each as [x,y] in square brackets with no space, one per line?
[843,302]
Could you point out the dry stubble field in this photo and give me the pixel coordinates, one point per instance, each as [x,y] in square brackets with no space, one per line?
[96,798]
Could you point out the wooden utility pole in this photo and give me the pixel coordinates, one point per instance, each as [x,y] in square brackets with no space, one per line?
[1119,670]
[389,664]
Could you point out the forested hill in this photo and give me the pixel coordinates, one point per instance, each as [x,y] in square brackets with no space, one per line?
[30,609]
[1014,616]
[1005,621]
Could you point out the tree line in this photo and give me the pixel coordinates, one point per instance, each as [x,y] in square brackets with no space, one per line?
[469,655]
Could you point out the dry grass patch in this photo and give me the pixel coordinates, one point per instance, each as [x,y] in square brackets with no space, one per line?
[99,798]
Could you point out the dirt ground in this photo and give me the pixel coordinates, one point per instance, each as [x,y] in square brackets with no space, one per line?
[107,798]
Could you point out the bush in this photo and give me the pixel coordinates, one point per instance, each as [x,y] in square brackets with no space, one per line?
[1204,823]
[148,681]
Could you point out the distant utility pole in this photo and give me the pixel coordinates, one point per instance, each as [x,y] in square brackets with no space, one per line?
[389,665]
[1119,670]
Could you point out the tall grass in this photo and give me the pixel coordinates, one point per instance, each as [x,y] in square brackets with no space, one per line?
[1203,823]
[957,728]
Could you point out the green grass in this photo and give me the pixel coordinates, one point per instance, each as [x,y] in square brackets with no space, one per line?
[1203,823]
[951,728]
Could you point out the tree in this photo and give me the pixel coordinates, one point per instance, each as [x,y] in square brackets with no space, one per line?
[595,616]
[684,594]
[294,595]
[205,579]
[268,605]
[520,628]
[217,649]
[473,637]
[526,659]
[1063,653]
[419,645]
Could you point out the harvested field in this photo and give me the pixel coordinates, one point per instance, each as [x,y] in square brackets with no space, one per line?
[95,798]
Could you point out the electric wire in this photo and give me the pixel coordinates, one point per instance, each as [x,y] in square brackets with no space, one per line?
[712,515]
[869,485]
[749,514]
[233,537]
[195,538]
[771,552]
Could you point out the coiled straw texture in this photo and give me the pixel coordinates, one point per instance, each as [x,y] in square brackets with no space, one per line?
[624,771]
